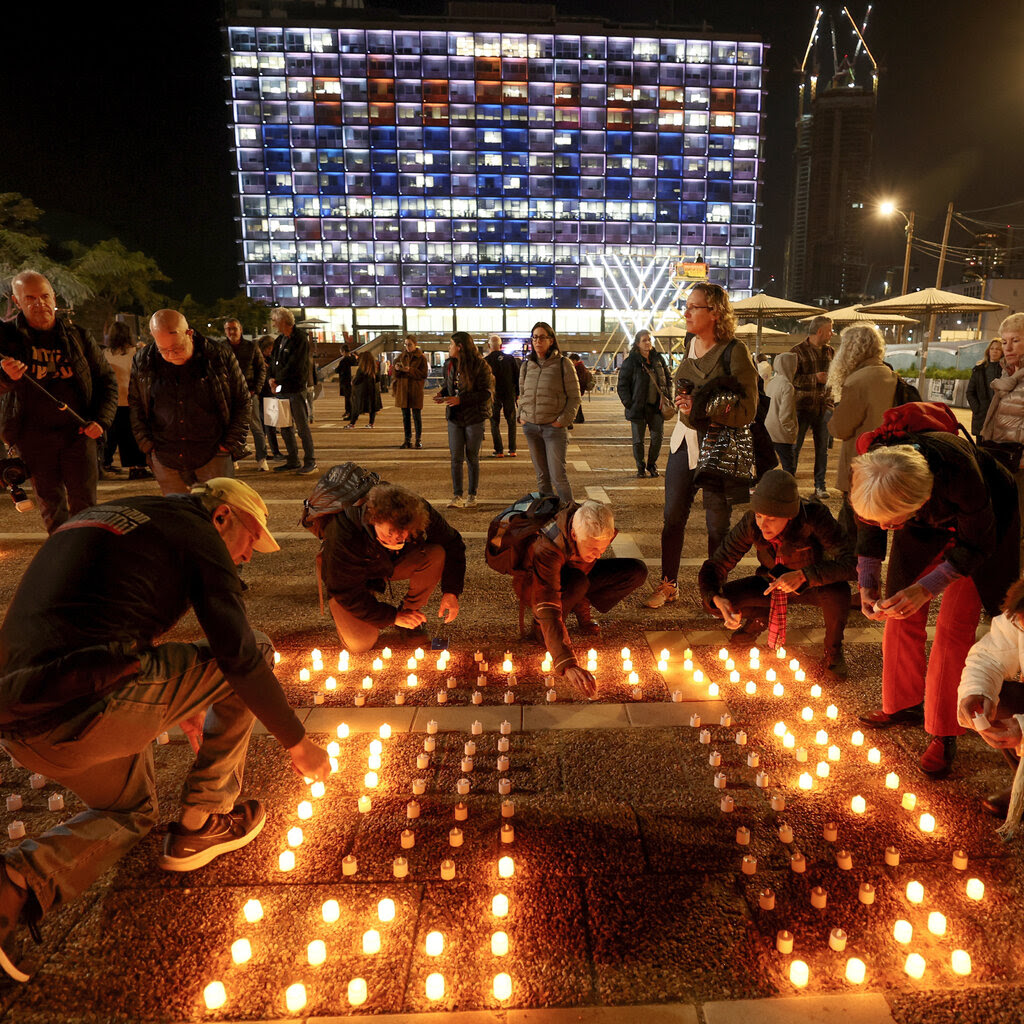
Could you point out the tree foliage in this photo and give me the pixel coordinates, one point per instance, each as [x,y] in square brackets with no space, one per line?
[120,280]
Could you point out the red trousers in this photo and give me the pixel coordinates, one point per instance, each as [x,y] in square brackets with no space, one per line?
[907,677]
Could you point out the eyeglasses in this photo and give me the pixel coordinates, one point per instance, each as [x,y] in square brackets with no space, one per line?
[540,337]
[691,308]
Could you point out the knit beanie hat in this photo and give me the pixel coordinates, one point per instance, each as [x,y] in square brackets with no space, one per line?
[776,494]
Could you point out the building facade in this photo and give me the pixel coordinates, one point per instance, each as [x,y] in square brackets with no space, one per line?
[434,176]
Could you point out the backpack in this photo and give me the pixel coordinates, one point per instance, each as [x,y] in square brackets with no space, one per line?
[339,488]
[589,380]
[511,532]
[905,392]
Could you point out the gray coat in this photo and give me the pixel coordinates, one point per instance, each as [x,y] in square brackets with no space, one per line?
[549,390]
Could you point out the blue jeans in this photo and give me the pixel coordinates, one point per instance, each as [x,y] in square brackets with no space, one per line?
[256,426]
[105,756]
[547,449]
[300,420]
[818,424]
[464,443]
[655,423]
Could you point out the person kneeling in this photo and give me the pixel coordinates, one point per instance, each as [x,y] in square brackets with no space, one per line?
[565,573]
[806,558]
[394,535]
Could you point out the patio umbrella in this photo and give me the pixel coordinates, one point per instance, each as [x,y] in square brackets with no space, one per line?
[768,307]
[748,330]
[676,330]
[852,314]
[931,301]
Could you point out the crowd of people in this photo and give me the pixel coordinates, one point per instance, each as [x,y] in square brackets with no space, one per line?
[85,686]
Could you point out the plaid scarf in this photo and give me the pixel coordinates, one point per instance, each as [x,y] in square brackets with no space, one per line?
[777,612]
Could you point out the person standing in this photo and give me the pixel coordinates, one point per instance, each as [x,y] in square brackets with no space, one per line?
[643,379]
[266,347]
[549,395]
[781,422]
[409,371]
[467,391]
[189,405]
[712,354]
[813,399]
[119,353]
[979,387]
[290,372]
[60,453]
[505,370]
[347,360]
[254,369]
[365,392]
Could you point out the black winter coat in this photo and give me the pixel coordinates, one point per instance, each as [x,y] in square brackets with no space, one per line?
[291,362]
[634,375]
[475,402]
[365,394]
[220,375]
[251,363]
[979,392]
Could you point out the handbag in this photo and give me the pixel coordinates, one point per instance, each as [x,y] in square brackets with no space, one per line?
[726,453]
[666,406]
[277,412]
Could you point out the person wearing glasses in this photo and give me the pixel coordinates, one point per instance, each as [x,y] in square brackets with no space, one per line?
[549,395]
[85,689]
[714,360]
[189,405]
[952,517]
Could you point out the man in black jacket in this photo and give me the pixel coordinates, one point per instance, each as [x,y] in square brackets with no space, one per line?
[806,558]
[189,405]
[59,452]
[254,369]
[395,535]
[85,689]
[506,392]
[290,373]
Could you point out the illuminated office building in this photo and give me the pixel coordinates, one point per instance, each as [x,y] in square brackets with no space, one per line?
[455,174]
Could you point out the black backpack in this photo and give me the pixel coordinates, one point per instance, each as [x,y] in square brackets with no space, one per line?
[339,488]
[511,532]
[905,392]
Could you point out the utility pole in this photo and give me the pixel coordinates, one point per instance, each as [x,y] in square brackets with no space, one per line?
[931,319]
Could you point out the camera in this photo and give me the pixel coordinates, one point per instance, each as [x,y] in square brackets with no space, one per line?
[13,473]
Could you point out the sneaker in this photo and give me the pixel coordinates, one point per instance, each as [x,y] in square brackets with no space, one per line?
[471,501]
[307,468]
[286,466]
[641,473]
[419,443]
[497,455]
[12,924]
[512,455]
[665,593]
[263,466]
[821,494]
[139,473]
[243,454]
[186,850]
[652,471]
[937,760]
[907,716]
[406,444]
[457,502]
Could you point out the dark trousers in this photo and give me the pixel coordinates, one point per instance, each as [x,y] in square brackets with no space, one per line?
[505,407]
[120,438]
[748,597]
[652,421]
[787,456]
[64,471]
[300,421]
[610,581]
[680,489]
[817,422]
[410,417]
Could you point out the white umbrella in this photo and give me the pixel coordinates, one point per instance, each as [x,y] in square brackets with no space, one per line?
[768,307]
[676,330]
[931,301]
[748,330]
[852,314]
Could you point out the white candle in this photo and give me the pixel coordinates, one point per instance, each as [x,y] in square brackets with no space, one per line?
[294,836]
[855,971]
[909,801]
[371,942]
[14,802]
[799,974]
[784,941]
[499,943]
[499,905]
[857,739]
[349,864]
[960,961]
[837,939]
[975,888]
[214,995]
[915,892]
[364,805]
[819,898]
[502,987]
[926,823]
[915,966]
[286,861]
[316,952]
[447,870]
[903,932]
[55,801]
[241,951]
[357,993]
[435,986]
[330,911]
[434,945]
[937,923]
[253,911]
[866,894]
[506,867]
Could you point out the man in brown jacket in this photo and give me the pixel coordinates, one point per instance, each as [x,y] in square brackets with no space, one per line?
[567,574]
[409,371]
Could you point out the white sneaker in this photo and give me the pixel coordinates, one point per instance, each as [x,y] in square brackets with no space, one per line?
[471,501]
[263,466]
[665,593]
[457,502]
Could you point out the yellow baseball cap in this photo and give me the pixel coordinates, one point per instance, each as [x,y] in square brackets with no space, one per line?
[242,497]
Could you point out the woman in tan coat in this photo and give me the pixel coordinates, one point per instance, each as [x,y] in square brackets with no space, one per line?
[408,372]
[862,387]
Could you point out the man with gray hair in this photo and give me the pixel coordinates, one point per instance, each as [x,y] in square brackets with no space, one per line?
[813,398]
[189,405]
[48,430]
[506,392]
[291,375]
[565,573]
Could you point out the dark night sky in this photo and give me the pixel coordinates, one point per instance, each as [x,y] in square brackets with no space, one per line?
[118,127]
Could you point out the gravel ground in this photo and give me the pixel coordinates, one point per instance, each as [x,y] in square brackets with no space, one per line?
[627,885]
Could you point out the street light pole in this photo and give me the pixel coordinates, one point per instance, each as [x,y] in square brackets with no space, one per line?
[906,258]
[931,319]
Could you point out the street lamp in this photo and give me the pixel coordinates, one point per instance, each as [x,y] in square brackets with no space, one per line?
[887,209]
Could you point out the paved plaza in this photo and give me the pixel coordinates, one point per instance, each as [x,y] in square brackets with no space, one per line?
[665,840]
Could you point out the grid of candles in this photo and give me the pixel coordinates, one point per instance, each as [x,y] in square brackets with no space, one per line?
[816,736]
[418,666]
[216,994]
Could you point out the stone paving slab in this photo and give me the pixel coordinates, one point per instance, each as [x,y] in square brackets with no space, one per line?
[359,720]
[866,1008]
[575,716]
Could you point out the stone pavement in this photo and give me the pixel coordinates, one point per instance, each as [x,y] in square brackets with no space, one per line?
[628,900]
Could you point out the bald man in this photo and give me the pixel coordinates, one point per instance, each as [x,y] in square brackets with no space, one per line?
[189,405]
[59,451]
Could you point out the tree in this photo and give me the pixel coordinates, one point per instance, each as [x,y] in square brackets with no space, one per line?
[121,281]
[252,314]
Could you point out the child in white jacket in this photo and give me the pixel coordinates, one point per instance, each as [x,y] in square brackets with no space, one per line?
[781,421]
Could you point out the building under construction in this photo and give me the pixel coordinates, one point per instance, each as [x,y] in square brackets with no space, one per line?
[832,162]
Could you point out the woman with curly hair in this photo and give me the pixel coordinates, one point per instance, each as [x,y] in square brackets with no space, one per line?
[714,360]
